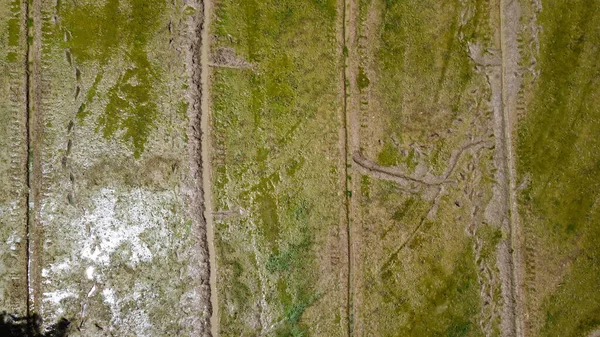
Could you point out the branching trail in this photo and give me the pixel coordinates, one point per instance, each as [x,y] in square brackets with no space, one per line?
[395,174]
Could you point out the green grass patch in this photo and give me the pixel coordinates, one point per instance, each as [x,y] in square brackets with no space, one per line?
[363,80]
[278,125]
[423,74]
[557,148]
[448,304]
[118,31]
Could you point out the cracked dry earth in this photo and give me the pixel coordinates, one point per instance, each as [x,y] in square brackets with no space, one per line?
[299,168]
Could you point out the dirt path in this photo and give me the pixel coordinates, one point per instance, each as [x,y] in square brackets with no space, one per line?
[345,38]
[206,162]
[510,84]
[34,128]
[14,199]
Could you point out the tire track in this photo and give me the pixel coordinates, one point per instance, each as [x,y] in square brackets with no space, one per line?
[346,32]
[198,113]
[14,206]
[206,155]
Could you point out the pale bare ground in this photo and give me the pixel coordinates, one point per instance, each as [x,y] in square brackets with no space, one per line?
[595,333]
[206,160]
[500,68]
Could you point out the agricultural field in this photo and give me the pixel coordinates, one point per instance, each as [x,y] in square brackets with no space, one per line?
[282,168]
[116,234]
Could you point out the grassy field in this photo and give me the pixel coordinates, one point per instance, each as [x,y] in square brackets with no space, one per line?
[277,169]
[558,142]
[423,77]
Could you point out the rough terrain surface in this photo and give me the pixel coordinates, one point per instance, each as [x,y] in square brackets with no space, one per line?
[299,168]
[557,135]
[431,230]
[118,237]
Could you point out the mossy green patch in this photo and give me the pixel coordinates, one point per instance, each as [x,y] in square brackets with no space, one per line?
[389,155]
[12,57]
[131,106]
[449,303]
[365,186]
[118,31]
[14,24]
[363,80]
[286,259]
[14,31]
[267,208]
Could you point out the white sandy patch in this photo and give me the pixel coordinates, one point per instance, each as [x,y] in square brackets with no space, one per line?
[136,320]
[109,231]
[55,297]
[89,273]
[13,240]
[111,225]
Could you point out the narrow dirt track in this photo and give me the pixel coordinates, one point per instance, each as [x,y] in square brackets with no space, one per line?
[342,37]
[509,22]
[206,160]
[347,35]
